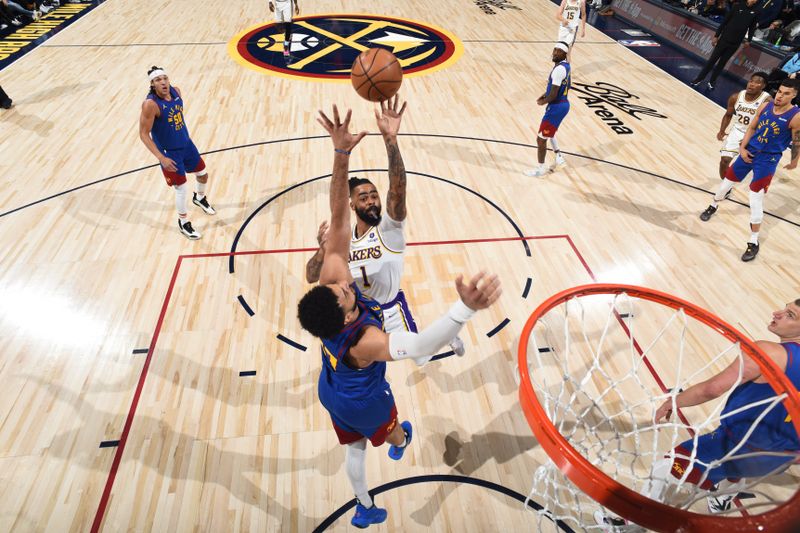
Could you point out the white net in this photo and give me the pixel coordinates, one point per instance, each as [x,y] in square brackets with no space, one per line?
[602,365]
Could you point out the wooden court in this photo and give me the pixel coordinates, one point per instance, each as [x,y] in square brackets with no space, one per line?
[93,267]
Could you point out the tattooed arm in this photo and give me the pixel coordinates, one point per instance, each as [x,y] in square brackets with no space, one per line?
[795,125]
[314,264]
[389,124]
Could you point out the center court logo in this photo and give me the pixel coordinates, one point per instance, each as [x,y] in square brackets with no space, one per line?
[324,47]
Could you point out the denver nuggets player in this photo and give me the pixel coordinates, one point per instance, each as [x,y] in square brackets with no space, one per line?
[774,433]
[775,126]
[742,108]
[355,349]
[162,117]
[555,96]
[378,243]
[283,16]
[570,14]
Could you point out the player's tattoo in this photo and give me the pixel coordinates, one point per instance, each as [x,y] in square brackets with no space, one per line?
[396,200]
[795,144]
[314,266]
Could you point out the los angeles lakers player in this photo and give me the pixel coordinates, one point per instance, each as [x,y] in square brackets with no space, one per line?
[283,17]
[742,107]
[571,14]
[378,242]
[355,348]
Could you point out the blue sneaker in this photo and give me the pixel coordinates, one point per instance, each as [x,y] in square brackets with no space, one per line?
[396,452]
[365,517]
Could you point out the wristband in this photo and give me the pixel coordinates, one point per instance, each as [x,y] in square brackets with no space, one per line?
[340,151]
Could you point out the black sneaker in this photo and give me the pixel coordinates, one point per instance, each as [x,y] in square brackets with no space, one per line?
[751,252]
[710,85]
[695,83]
[203,204]
[188,230]
[705,215]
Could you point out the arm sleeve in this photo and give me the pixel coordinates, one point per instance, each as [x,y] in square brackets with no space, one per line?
[407,345]
[558,75]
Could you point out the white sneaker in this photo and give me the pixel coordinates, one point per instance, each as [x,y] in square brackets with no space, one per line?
[719,504]
[188,230]
[36,15]
[537,172]
[614,524]
[457,345]
[559,162]
[203,204]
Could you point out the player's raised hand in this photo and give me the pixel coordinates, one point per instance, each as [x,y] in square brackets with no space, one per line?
[480,292]
[389,117]
[322,233]
[339,131]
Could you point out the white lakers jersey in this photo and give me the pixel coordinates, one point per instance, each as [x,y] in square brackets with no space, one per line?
[572,13]
[376,259]
[746,111]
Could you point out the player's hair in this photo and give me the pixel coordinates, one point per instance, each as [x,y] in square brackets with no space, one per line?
[761,74]
[320,313]
[790,83]
[356,182]
[151,69]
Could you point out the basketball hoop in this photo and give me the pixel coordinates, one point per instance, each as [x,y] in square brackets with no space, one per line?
[590,400]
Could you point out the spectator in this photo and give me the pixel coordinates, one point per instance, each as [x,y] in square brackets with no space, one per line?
[740,21]
[788,68]
[15,8]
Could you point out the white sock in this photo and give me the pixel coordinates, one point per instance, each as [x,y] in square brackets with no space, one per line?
[201,190]
[724,187]
[180,199]
[753,237]
[554,143]
[355,465]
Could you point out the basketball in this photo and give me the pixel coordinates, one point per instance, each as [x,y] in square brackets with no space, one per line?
[376,74]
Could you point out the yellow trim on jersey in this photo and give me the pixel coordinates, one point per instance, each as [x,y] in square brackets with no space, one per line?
[403,316]
[331,358]
[356,239]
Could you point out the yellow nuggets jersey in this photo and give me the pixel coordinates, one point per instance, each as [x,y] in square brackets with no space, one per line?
[376,259]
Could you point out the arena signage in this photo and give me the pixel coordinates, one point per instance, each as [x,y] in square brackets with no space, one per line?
[609,101]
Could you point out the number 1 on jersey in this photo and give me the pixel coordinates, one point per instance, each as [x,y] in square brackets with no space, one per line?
[364,275]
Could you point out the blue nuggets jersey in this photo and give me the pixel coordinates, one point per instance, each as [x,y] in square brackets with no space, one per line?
[775,431]
[773,134]
[169,128]
[563,89]
[336,374]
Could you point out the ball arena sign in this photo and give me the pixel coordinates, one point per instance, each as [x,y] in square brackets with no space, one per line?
[324,47]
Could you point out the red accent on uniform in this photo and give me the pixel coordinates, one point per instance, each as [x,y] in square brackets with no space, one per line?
[173,178]
[377,438]
[546,129]
[200,166]
[729,174]
[763,183]
[682,465]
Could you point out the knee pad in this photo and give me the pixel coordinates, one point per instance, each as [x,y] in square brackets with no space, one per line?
[757,206]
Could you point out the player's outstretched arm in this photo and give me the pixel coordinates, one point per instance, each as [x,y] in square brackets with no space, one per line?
[334,266]
[389,120]
[736,373]
[314,264]
[479,293]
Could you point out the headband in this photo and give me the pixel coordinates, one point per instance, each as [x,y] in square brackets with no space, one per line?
[561,45]
[156,73]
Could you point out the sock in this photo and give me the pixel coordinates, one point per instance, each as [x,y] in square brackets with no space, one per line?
[554,143]
[753,237]
[355,465]
[201,190]
[405,440]
[724,187]
[180,199]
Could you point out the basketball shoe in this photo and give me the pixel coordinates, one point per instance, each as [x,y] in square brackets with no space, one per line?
[203,204]
[537,172]
[396,452]
[705,215]
[559,162]
[187,229]
[365,516]
[751,252]
[614,524]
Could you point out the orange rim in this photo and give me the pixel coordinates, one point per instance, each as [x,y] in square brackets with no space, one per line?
[615,496]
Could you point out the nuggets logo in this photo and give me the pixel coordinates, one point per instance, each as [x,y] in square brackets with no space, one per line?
[323,47]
